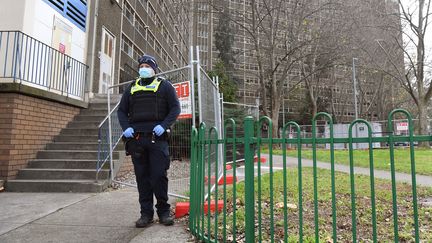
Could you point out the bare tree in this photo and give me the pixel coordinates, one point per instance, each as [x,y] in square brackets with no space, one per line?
[409,36]
[376,89]
[277,31]
[323,51]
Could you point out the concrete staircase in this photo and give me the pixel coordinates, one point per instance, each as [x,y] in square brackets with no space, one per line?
[68,164]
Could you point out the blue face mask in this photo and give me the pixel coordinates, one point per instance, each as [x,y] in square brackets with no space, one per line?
[146,72]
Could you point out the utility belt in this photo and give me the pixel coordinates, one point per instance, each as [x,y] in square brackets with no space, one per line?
[132,146]
[152,136]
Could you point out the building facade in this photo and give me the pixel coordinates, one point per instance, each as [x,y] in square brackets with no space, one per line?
[334,86]
[157,28]
[43,49]
[127,29]
[55,56]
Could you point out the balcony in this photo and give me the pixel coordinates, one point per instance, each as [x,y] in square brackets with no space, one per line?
[27,63]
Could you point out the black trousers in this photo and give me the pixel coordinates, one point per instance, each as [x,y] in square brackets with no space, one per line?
[151,167]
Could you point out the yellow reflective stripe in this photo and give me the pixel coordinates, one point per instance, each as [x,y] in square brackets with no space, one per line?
[154,86]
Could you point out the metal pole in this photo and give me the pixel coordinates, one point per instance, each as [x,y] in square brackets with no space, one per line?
[215,105]
[110,133]
[222,107]
[219,126]
[244,53]
[248,123]
[93,48]
[199,84]
[283,106]
[218,111]
[355,97]
[192,82]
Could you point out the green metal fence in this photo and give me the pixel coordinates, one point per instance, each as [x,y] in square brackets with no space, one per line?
[266,206]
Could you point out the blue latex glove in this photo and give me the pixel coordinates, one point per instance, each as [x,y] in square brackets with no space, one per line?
[159,130]
[128,132]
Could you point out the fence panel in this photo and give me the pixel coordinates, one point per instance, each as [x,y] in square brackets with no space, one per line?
[295,199]
[209,106]
[179,145]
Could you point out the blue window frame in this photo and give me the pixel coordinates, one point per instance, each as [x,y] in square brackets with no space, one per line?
[74,10]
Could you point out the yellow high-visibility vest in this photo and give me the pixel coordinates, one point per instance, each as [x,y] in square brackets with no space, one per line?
[153,86]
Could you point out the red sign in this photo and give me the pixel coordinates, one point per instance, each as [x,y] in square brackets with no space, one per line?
[182,89]
[183,94]
[402,126]
[62,48]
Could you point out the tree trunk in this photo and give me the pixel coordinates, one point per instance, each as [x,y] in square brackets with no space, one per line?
[422,128]
[313,101]
[275,118]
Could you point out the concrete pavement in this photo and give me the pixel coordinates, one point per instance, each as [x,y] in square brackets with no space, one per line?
[79,217]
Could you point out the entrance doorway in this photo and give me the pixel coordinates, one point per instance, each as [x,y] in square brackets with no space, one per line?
[106,60]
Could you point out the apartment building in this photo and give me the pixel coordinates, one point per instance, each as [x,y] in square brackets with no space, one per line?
[126,29]
[335,84]
[158,28]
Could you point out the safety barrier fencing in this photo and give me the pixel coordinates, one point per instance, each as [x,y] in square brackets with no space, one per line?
[284,201]
[30,62]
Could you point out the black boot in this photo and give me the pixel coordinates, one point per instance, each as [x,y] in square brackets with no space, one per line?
[166,220]
[144,221]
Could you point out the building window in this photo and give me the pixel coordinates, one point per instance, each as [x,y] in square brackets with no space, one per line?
[140,27]
[137,53]
[150,39]
[152,12]
[144,3]
[158,48]
[73,10]
[128,13]
[127,46]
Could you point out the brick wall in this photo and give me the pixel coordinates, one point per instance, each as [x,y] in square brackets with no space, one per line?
[27,124]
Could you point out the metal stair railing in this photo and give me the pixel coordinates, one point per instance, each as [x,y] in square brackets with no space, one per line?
[108,128]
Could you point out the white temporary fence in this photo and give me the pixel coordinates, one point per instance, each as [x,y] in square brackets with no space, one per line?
[210,114]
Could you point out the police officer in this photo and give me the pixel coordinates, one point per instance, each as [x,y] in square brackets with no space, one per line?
[148,107]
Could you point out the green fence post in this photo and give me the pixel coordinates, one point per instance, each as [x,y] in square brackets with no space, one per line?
[393,178]
[201,173]
[299,166]
[249,180]
[413,170]
[315,175]
[192,186]
[232,123]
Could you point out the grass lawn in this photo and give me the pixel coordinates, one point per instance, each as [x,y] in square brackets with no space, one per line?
[344,225]
[423,158]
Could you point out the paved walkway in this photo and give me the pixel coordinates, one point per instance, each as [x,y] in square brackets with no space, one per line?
[74,217]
